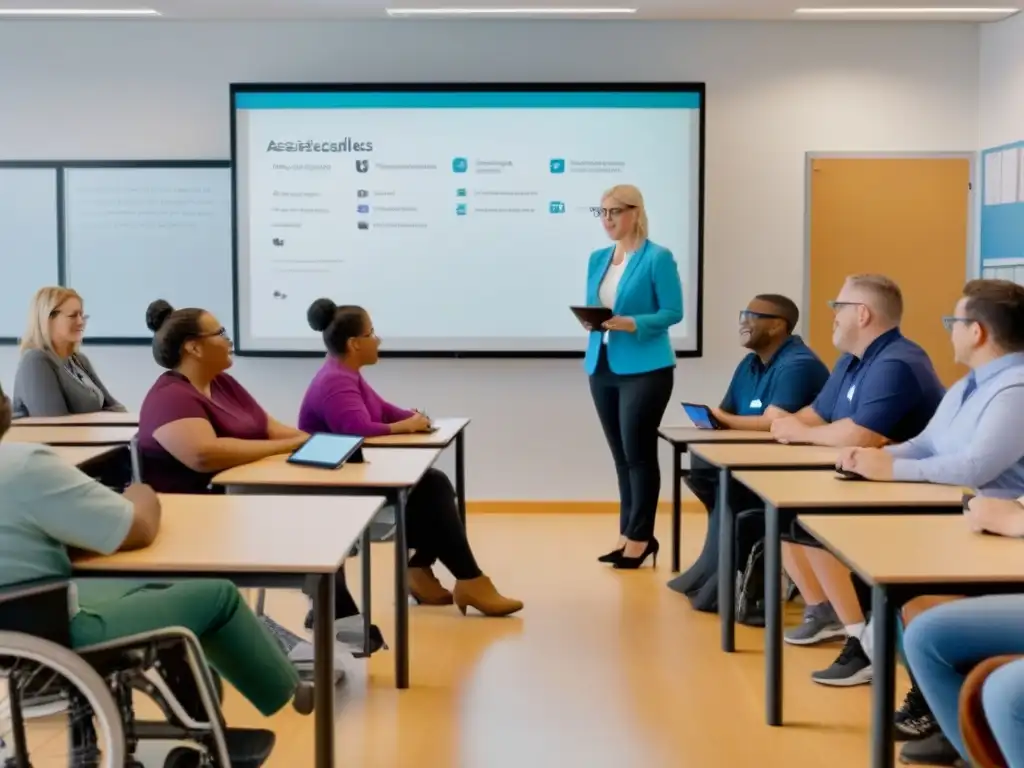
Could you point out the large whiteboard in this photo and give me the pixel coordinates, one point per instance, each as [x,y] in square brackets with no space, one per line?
[135,234]
[29,255]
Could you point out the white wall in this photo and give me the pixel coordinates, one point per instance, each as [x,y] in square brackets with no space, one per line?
[1001,91]
[775,91]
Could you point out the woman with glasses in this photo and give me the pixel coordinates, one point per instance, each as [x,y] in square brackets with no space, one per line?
[631,362]
[54,378]
[340,401]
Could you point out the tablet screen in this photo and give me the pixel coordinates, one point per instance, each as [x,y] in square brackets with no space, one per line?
[700,415]
[325,450]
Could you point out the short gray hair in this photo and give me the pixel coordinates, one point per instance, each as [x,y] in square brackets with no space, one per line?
[888,298]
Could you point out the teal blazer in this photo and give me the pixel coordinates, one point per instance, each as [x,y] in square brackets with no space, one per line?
[650,292]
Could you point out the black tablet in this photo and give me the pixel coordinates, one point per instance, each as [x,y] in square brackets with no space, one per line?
[592,316]
[701,416]
[849,474]
[328,451]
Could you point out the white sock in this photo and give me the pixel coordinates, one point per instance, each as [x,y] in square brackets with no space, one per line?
[855,630]
[867,641]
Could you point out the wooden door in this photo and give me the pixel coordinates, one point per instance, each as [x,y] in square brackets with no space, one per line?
[906,218]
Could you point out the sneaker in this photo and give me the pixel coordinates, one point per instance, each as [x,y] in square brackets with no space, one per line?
[933,750]
[349,633]
[914,720]
[852,667]
[820,624]
[300,652]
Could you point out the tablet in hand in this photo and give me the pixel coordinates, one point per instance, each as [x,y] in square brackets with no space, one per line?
[592,316]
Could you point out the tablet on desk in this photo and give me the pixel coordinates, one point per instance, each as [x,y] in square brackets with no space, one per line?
[701,416]
[592,316]
[328,451]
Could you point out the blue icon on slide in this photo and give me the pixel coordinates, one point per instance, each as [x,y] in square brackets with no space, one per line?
[460,192]
[460,165]
[556,206]
[363,209]
[460,209]
[557,165]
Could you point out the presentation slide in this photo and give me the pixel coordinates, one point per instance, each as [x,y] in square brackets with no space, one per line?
[463,220]
[28,242]
[135,234]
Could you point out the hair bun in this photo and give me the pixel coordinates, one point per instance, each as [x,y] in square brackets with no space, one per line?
[320,314]
[157,314]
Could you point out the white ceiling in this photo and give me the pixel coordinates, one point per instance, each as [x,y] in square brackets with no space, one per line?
[375,9]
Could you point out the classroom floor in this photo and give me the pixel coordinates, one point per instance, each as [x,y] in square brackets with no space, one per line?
[602,669]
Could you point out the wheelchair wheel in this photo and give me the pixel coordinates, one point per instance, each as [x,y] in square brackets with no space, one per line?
[34,670]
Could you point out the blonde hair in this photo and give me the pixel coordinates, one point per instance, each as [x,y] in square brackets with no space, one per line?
[888,298]
[630,195]
[46,301]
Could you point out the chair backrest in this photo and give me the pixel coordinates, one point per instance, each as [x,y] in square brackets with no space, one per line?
[982,749]
[38,608]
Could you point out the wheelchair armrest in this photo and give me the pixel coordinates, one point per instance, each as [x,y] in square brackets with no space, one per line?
[38,608]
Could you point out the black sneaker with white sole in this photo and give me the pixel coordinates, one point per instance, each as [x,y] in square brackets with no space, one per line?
[914,719]
[933,750]
[852,667]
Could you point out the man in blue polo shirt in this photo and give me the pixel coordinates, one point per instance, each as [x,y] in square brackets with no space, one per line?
[883,390]
[780,372]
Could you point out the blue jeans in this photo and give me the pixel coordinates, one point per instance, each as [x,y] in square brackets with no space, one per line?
[945,643]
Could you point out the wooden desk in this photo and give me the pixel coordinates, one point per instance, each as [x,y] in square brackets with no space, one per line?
[263,541]
[825,494]
[71,435]
[682,437]
[97,419]
[730,458]
[449,430]
[387,472]
[83,455]
[902,557]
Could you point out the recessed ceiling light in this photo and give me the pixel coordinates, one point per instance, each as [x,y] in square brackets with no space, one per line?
[547,11]
[906,11]
[78,12]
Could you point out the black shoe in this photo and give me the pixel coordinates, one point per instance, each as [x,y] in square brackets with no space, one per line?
[933,750]
[852,667]
[352,637]
[914,720]
[611,557]
[632,563]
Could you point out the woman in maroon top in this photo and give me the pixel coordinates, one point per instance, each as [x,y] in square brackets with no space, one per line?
[340,401]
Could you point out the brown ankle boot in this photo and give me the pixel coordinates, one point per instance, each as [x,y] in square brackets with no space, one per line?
[480,593]
[426,589]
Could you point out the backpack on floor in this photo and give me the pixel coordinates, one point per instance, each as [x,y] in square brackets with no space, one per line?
[750,589]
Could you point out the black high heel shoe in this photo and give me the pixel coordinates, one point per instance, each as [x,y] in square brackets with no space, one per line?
[632,563]
[612,557]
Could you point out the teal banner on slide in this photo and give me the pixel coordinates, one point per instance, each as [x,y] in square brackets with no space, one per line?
[1002,212]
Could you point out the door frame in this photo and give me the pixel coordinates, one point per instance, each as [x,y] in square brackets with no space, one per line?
[973,266]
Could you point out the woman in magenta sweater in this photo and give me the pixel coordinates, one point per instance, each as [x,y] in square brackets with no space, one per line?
[340,401]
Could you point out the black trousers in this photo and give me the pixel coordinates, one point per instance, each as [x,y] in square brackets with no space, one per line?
[435,532]
[630,408]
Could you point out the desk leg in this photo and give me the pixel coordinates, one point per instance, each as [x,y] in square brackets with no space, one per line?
[726,563]
[401,594]
[773,616]
[364,563]
[883,689]
[677,505]
[323,669]
[460,473]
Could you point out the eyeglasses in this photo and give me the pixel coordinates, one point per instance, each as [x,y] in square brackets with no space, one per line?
[950,320]
[749,314]
[838,305]
[610,213]
[73,316]
[222,331]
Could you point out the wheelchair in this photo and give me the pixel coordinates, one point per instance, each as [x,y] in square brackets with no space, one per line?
[98,682]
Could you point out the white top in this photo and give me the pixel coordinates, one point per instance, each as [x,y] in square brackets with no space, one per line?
[610,286]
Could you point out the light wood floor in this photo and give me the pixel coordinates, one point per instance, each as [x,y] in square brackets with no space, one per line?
[601,669]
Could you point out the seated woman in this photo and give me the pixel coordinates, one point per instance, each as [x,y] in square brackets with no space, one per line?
[196,421]
[339,400]
[944,643]
[48,507]
[54,378]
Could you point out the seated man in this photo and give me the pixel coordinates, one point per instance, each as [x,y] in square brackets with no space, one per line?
[780,372]
[943,644]
[48,507]
[883,389]
[976,440]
